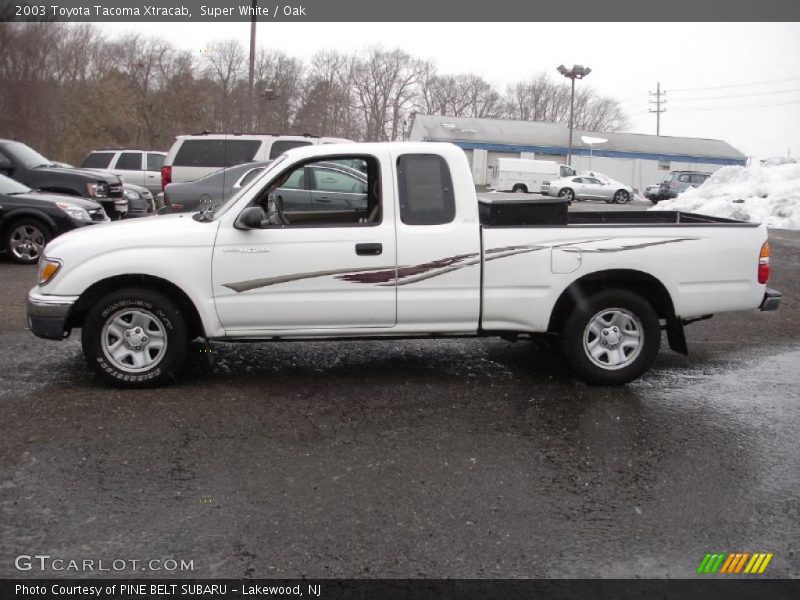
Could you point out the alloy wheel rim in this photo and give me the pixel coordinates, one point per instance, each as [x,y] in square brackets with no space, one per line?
[134,340]
[27,242]
[613,338]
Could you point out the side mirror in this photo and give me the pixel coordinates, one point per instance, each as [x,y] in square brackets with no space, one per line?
[250,218]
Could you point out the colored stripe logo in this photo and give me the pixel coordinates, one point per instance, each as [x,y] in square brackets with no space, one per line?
[735,563]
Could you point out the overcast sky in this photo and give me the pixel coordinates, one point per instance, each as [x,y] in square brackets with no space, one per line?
[736,82]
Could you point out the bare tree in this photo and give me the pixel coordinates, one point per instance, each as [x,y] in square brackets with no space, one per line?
[384,87]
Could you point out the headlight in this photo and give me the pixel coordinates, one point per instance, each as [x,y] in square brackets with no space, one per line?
[131,195]
[74,211]
[48,267]
[97,190]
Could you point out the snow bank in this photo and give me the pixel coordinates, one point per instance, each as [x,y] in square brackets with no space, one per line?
[758,194]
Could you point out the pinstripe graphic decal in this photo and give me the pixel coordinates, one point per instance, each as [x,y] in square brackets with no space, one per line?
[397,276]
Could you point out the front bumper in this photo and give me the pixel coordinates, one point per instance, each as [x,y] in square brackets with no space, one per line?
[48,316]
[772,300]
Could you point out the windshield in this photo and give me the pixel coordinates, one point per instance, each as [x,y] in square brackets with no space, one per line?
[9,186]
[26,155]
[221,209]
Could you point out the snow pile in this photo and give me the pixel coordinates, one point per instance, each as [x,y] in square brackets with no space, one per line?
[769,195]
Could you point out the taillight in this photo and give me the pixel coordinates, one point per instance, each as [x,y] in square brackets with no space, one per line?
[763,263]
[166,176]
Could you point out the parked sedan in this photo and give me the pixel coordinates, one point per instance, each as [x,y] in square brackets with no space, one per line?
[140,201]
[30,219]
[191,196]
[588,188]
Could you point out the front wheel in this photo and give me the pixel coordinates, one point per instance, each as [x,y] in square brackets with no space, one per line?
[135,338]
[611,339]
[520,189]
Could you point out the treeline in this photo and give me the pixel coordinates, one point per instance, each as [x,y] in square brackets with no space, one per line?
[67,89]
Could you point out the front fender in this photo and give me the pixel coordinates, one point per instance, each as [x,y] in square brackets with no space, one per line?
[188,268]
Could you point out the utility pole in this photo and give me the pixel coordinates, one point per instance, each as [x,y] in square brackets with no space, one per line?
[658,102]
[251,74]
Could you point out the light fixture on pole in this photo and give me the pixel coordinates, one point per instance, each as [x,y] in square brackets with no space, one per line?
[576,72]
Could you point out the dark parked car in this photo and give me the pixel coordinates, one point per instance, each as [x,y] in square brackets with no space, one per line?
[215,188]
[678,182]
[29,219]
[140,201]
[24,164]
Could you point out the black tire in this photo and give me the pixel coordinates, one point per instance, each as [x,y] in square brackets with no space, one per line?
[654,200]
[148,304]
[520,189]
[568,194]
[621,197]
[635,362]
[38,234]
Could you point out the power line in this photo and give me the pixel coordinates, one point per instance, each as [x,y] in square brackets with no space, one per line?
[736,107]
[734,85]
[731,97]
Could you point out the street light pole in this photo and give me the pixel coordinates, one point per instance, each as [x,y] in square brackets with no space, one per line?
[571,120]
[576,72]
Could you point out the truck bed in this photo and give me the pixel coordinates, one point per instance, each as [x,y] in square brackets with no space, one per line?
[535,210]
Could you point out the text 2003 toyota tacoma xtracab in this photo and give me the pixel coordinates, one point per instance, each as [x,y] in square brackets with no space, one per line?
[390,241]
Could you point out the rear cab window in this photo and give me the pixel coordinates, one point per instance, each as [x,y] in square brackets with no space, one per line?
[97,160]
[426,190]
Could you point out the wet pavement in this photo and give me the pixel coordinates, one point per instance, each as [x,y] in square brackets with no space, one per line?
[469,458]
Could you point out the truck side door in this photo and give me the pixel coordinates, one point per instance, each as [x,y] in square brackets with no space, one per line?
[306,270]
[438,243]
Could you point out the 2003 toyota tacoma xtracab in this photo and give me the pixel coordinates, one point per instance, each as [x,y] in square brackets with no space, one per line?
[390,241]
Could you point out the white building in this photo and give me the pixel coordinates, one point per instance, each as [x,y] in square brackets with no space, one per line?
[633,158]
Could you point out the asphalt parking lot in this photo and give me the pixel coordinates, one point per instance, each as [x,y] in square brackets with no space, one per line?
[470,458]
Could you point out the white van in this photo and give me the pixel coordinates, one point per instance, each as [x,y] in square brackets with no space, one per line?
[524,175]
[194,156]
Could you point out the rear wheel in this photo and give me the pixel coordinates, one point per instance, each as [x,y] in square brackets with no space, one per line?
[26,239]
[567,194]
[520,189]
[611,339]
[135,338]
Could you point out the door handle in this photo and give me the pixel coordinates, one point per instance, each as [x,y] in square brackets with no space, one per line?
[323,199]
[369,249]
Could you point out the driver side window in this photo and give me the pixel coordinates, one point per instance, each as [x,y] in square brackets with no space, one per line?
[340,192]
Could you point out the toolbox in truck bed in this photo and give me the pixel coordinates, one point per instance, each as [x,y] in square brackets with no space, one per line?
[521,209]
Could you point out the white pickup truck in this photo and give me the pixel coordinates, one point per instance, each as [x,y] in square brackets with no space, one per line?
[387,241]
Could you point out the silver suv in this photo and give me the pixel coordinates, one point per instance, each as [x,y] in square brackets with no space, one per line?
[139,167]
[194,156]
[680,181]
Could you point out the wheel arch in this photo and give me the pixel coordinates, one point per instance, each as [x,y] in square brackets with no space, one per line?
[93,293]
[639,282]
[23,213]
